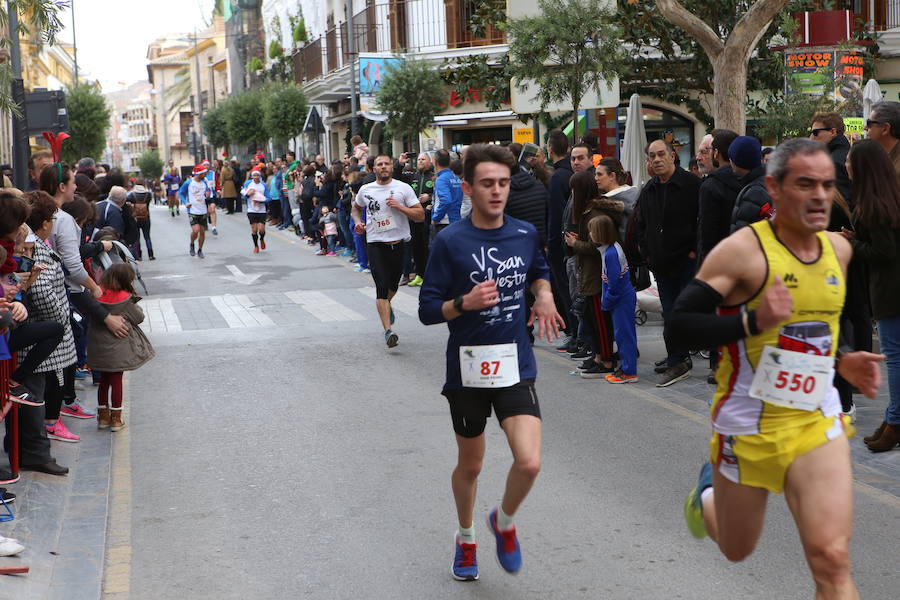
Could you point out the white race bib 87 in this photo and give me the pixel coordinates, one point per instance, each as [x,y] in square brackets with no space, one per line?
[491,366]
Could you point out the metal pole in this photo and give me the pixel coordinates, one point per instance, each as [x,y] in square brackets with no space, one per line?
[351,54]
[199,105]
[21,147]
[74,45]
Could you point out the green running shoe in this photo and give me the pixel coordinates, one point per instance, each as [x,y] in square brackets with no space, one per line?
[693,508]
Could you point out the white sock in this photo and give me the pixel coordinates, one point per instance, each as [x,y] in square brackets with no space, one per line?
[467,534]
[704,494]
[504,521]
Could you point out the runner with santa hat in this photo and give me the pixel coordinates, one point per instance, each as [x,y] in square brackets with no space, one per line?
[257,195]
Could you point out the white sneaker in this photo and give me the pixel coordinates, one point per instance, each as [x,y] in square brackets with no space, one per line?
[10,547]
[215,231]
[852,413]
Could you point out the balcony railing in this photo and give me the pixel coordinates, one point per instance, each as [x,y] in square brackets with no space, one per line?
[885,16]
[414,26]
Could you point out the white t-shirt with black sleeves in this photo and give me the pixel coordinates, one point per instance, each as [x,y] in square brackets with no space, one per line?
[383,223]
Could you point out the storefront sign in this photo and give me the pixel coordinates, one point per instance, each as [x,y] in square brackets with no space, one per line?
[523,135]
[372,69]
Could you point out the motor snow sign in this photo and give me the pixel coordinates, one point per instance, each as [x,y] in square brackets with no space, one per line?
[824,71]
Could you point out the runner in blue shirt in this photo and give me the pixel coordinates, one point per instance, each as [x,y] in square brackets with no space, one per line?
[478,273]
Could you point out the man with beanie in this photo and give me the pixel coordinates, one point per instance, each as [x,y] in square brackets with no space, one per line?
[753,203]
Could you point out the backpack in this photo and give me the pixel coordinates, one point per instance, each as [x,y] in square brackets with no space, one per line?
[140,207]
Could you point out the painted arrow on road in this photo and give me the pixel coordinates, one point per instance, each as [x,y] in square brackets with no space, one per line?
[239,276]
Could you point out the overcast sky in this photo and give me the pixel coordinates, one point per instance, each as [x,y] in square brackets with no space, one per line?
[113,37]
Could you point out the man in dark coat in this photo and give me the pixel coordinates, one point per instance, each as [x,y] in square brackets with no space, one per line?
[753,203]
[717,194]
[666,224]
[528,201]
[558,147]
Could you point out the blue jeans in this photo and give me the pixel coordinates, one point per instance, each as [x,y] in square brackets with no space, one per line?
[331,241]
[344,227]
[889,334]
[359,241]
[669,287]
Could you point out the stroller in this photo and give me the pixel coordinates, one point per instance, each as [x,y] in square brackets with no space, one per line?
[647,302]
[119,254]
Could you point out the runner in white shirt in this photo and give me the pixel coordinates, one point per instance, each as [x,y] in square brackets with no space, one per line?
[257,194]
[197,193]
[389,203]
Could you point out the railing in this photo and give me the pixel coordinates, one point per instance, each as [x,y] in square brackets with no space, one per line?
[885,16]
[415,26]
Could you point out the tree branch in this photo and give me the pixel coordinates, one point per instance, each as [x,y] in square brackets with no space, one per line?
[679,16]
[750,29]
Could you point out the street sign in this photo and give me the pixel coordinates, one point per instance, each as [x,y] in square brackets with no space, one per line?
[46,111]
[523,135]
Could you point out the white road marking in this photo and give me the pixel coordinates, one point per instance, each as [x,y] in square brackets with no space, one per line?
[401,302]
[322,307]
[239,276]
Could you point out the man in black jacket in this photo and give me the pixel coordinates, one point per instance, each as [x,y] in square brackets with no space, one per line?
[666,222]
[753,203]
[828,128]
[558,148]
[528,199]
[717,195]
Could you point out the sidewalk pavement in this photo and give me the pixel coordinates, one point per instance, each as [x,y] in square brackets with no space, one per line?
[62,521]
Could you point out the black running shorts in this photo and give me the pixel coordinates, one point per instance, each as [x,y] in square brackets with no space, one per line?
[201,220]
[257,217]
[470,407]
[386,263]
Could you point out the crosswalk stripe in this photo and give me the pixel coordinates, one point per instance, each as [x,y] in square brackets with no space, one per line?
[227,313]
[322,307]
[401,302]
[168,312]
[254,311]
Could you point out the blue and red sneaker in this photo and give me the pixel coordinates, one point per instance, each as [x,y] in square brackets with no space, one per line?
[76,409]
[509,555]
[465,563]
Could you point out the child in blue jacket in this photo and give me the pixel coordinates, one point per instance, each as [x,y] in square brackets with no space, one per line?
[618,298]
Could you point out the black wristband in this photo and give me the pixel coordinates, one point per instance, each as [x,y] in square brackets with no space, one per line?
[751,323]
[458,304]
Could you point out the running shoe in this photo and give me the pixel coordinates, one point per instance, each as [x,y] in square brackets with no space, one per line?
[215,231]
[193,252]
[509,554]
[200,253]
[596,371]
[465,562]
[320,253]
[582,354]
[693,507]
[262,244]
[587,364]
[59,432]
[404,280]
[21,394]
[358,268]
[76,409]
[82,372]
[346,253]
[564,345]
[8,497]
[391,338]
[7,477]
[416,282]
[621,377]
[367,270]
[331,254]
[255,250]
[850,413]
[675,374]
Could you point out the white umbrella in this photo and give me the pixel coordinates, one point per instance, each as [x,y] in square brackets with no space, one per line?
[633,158]
[871,95]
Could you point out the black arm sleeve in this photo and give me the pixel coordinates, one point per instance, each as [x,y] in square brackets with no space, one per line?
[694,326]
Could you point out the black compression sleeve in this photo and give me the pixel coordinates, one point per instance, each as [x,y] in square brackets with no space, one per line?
[693,324]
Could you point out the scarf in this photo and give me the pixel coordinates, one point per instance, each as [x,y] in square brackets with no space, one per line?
[10,265]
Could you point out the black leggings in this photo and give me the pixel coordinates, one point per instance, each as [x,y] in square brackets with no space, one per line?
[53,393]
[45,336]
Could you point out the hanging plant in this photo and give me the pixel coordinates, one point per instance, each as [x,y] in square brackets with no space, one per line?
[255,64]
[299,32]
[275,49]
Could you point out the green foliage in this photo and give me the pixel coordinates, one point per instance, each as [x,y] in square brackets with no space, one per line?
[569,50]
[488,13]
[243,118]
[411,95]
[215,125]
[476,77]
[284,110]
[669,64]
[783,116]
[39,17]
[275,49]
[255,64]
[281,70]
[150,164]
[88,123]
[299,32]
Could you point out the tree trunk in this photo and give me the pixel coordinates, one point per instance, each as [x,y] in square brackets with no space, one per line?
[729,57]
[575,123]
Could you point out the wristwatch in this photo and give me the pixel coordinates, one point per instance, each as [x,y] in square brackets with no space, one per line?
[458,303]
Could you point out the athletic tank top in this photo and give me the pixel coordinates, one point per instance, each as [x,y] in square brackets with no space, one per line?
[817,289]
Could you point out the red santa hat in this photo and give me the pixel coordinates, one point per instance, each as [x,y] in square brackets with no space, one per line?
[200,170]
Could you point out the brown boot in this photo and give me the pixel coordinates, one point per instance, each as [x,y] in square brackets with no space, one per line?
[890,437]
[115,419]
[877,434]
[102,417]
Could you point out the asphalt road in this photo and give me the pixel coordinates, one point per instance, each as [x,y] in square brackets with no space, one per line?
[278,450]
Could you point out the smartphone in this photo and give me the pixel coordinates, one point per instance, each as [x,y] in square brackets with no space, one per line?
[571,228]
[25,263]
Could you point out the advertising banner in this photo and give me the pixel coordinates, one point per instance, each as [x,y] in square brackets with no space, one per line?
[371,70]
[829,71]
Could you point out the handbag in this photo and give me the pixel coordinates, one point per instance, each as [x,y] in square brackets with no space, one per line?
[640,277]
